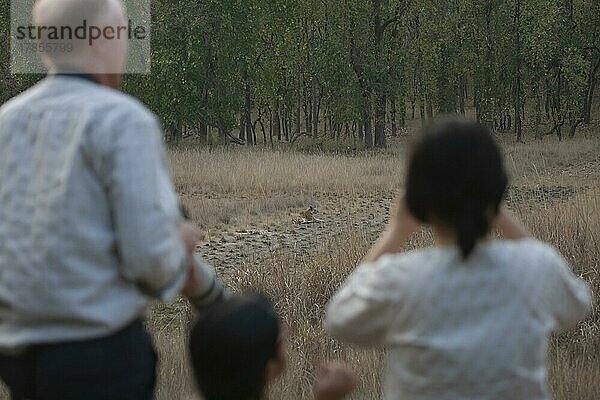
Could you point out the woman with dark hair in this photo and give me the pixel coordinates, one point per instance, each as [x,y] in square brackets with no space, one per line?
[469,317]
[237,348]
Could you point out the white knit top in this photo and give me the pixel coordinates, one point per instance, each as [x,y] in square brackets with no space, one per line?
[470,329]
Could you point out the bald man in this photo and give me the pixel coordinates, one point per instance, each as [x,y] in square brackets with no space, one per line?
[90,227]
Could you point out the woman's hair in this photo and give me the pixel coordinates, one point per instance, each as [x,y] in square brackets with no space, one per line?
[230,347]
[455,178]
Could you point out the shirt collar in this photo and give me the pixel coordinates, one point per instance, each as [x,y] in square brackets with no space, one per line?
[74,74]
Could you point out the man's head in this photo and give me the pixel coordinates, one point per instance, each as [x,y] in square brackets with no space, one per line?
[104,57]
[236,348]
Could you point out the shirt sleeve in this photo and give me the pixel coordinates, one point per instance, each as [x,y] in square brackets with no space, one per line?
[145,209]
[362,310]
[566,296]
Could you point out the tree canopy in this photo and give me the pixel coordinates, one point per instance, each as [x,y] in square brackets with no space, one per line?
[266,71]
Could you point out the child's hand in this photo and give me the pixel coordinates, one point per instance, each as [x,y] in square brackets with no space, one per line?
[401,218]
[334,382]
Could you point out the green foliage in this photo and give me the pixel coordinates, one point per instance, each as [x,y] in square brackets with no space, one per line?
[10,84]
[328,145]
[284,67]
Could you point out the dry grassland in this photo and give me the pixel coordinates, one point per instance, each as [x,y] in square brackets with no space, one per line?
[555,189]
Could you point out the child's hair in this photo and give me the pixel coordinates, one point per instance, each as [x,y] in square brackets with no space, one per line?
[231,344]
[456,178]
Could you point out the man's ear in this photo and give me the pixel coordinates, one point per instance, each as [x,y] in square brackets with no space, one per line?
[100,51]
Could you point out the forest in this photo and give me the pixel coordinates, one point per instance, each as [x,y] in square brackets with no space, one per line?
[267,71]
[274,107]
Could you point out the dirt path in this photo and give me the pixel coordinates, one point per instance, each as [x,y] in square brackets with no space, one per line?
[228,248]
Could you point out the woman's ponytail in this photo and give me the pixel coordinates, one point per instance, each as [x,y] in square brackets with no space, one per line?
[456,179]
[471,225]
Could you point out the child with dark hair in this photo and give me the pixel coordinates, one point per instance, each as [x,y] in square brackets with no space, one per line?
[237,348]
[469,317]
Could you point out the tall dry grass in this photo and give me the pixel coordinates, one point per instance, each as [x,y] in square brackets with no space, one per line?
[224,187]
[301,286]
[555,190]
[262,172]
[251,185]
[244,172]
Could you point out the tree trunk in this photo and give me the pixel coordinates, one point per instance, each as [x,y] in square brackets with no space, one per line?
[517,105]
[313,102]
[477,102]
[393,116]
[380,92]
[548,99]
[365,131]
[429,109]
[402,113]
[242,134]
[462,95]
[222,133]
[574,122]
[298,109]
[277,120]
[368,133]
[262,128]
[203,132]
[248,113]
[380,102]
[591,86]
[288,123]
[249,130]
[271,126]
[308,110]
[422,111]
[175,134]
[203,124]
[285,125]
[538,107]
[361,132]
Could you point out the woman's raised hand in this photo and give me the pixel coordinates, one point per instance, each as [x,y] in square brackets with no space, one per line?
[509,225]
[401,218]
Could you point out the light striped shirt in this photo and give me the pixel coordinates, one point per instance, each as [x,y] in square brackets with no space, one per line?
[88,214]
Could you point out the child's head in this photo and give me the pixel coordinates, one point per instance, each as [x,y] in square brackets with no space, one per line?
[456,180]
[236,348]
